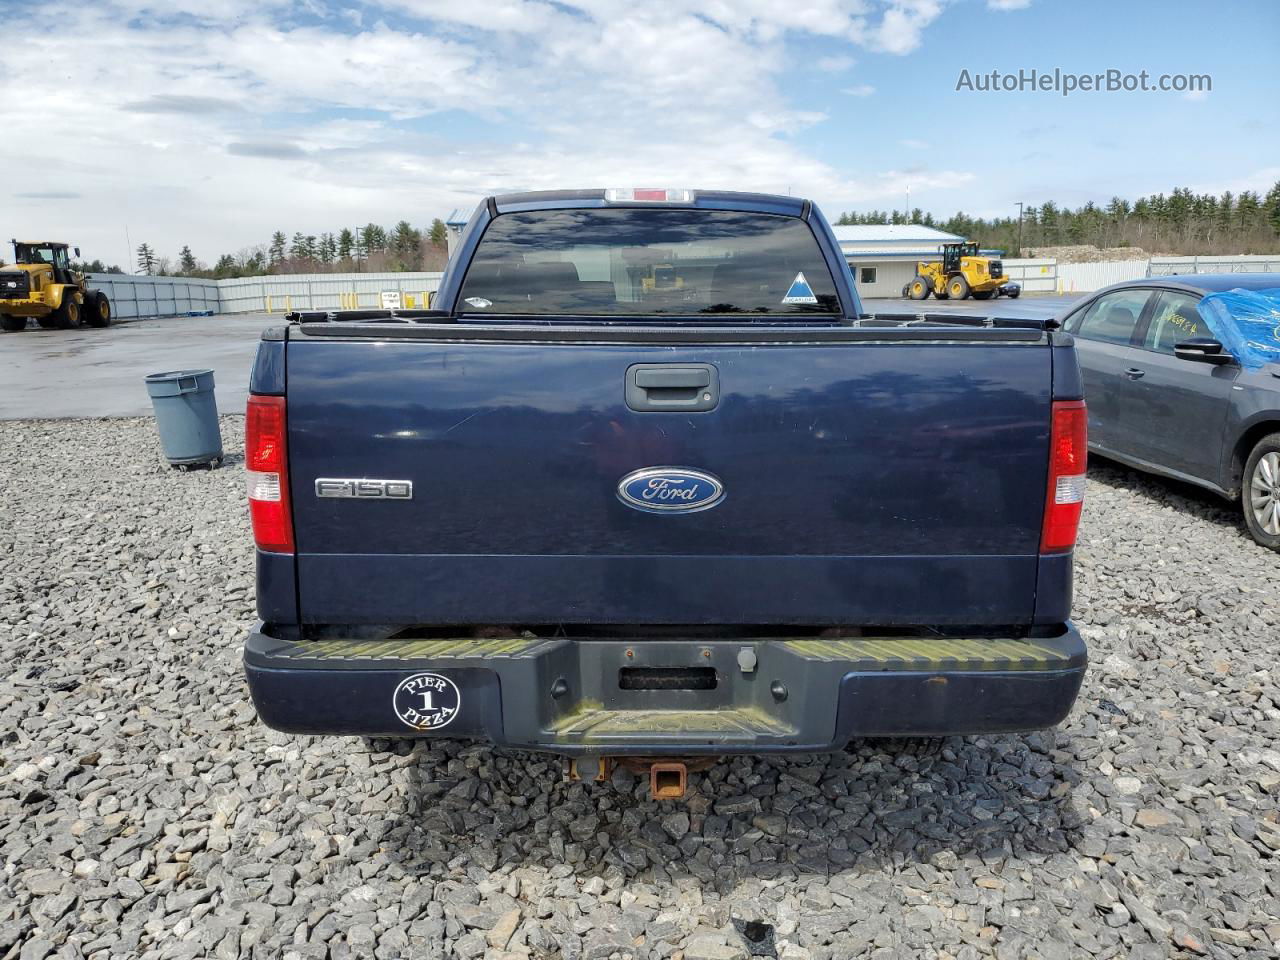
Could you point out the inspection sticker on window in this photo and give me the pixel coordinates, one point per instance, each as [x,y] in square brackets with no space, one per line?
[800,291]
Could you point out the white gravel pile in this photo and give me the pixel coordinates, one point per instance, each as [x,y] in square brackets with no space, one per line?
[145,812]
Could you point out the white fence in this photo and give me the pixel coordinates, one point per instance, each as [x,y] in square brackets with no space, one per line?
[1050,276]
[155,296]
[1037,275]
[324,291]
[133,296]
[1085,277]
[1167,266]
[1082,277]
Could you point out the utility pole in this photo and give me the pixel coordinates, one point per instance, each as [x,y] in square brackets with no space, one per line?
[1019,228]
[357,250]
[908,217]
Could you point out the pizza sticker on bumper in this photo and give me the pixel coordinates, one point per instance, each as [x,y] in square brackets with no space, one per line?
[426,701]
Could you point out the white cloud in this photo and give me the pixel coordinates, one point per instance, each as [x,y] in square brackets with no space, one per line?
[1196,96]
[214,122]
[1008,4]
[834,64]
[903,24]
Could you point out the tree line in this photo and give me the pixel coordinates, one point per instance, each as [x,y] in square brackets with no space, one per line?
[370,249]
[1180,223]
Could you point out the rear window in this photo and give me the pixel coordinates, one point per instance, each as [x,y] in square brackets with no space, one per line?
[643,262]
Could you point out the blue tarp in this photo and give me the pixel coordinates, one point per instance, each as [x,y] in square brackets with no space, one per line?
[1248,324]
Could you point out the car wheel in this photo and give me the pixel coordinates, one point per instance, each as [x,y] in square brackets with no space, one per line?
[958,288]
[1014,294]
[1260,492]
[918,289]
[12,324]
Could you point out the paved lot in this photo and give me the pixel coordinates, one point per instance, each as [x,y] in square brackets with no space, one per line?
[144,812]
[99,373]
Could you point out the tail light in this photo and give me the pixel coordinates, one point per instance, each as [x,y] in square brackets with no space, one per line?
[268,476]
[1068,452]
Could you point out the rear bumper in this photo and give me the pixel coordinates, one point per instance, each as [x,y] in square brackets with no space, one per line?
[565,696]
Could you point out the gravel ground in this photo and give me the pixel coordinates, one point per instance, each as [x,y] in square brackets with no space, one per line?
[145,812]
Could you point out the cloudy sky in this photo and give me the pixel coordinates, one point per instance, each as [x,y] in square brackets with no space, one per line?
[214,122]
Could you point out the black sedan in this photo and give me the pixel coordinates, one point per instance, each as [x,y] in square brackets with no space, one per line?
[1166,396]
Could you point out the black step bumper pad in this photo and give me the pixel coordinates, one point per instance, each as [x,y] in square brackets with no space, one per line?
[567,696]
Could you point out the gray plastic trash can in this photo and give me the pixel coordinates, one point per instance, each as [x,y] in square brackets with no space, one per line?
[186,416]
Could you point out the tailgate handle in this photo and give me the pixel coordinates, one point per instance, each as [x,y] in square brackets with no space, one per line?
[672,387]
[670,378]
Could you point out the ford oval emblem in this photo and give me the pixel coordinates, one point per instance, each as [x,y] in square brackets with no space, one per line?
[670,490]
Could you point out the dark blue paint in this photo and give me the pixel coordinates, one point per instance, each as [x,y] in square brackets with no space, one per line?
[840,269]
[1067,381]
[616,588]
[831,452]
[277,587]
[267,376]
[1054,587]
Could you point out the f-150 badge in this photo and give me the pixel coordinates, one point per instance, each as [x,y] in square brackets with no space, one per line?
[670,490]
[364,489]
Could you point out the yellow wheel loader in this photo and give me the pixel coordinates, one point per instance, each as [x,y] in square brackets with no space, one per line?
[961,273]
[40,283]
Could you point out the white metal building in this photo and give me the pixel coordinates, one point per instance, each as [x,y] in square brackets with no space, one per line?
[883,257]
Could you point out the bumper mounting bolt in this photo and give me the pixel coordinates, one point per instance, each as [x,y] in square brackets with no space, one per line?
[559,688]
[779,690]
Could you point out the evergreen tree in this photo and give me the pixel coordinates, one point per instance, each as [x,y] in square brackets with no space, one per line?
[346,244]
[1247,209]
[146,259]
[186,260]
[373,238]
[1271,208]
[439,234]
[405,240]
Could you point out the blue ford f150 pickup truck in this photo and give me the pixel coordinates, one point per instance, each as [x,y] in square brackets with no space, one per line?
[645,481]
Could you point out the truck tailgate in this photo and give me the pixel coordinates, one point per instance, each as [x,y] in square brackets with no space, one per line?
[866,482]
